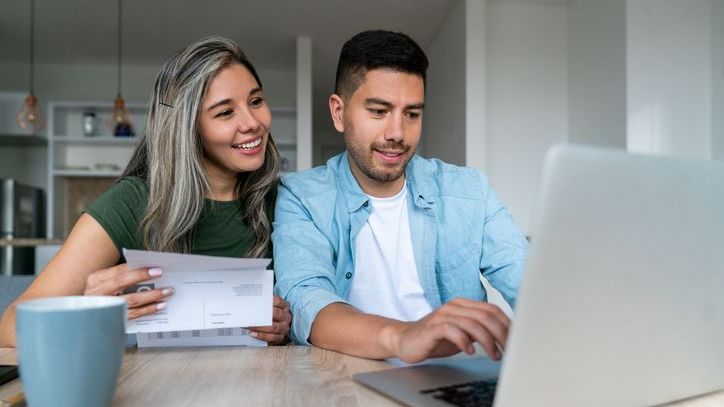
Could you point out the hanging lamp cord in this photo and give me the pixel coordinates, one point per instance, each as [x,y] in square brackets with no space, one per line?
[120,44]
[32,46]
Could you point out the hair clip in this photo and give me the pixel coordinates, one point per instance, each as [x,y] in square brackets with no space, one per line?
[167,105]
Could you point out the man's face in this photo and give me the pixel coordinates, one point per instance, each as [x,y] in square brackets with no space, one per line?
[381,122]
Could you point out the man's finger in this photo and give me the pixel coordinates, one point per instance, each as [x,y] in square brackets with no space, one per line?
[277,328]
[489,321]
[280,315]
[478,333]
[279,302]
[485,307]
[452,333]
[269,338]
[265,329]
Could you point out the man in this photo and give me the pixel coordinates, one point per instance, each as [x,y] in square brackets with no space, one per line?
[380,251]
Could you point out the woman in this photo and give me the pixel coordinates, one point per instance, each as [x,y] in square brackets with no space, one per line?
[202,180]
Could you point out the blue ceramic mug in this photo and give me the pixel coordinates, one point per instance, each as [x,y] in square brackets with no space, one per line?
[70,349]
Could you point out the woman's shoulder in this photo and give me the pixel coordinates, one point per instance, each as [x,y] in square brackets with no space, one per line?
[127,191]
[132,184]
[119,211]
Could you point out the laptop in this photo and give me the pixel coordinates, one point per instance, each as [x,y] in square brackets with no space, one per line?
[622,300]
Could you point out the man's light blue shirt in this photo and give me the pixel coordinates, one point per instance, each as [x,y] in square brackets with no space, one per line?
[458,226]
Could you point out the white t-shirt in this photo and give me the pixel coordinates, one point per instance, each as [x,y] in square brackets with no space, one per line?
[385,280]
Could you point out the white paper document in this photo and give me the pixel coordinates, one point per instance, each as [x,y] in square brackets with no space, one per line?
[204,337]
[211,295]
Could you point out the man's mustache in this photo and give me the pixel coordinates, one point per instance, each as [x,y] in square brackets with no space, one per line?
[391,147]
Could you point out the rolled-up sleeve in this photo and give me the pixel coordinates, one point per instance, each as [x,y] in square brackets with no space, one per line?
[303,263]
[504,247]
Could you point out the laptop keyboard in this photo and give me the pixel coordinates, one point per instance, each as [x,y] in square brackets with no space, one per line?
[478,393]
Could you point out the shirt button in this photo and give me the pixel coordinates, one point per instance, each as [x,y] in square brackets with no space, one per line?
[348,275]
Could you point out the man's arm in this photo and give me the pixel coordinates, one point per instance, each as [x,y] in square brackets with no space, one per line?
[448,330]
[504,248]
[304,260]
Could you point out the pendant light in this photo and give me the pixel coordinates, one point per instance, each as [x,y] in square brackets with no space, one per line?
[29,117]
[120,122]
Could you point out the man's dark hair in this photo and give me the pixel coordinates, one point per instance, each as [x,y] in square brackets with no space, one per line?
[377,49]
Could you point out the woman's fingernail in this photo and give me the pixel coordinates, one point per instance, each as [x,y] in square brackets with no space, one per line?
[167,291]
[254,334]
[160,306]
[155,272]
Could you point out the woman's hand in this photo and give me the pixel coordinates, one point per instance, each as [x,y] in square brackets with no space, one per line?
[277,333]
[113,280]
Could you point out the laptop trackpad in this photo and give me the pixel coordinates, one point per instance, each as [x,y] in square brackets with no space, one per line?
[406,384]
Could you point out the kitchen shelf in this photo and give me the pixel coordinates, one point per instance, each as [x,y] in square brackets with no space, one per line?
[22,140]
[85,173]
[29,242]
[95,140]
[80,167]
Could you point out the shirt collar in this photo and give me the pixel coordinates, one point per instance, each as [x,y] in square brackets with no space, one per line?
[415,177]
[420,182]
[353,194]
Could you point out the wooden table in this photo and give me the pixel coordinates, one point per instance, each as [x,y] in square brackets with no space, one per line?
[274,376]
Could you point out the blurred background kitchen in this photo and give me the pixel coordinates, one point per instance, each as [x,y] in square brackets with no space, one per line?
[507,79]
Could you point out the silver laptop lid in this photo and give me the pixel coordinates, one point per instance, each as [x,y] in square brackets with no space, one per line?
[622,302]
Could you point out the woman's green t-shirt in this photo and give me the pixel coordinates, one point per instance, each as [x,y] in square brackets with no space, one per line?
[220,231]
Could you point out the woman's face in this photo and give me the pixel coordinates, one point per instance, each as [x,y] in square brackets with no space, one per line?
[234,121]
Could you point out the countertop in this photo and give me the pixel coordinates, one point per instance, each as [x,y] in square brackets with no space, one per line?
[29,242]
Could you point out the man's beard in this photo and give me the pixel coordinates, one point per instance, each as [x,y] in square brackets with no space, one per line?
[363,158]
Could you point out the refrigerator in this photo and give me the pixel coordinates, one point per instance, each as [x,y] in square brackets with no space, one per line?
[22,215]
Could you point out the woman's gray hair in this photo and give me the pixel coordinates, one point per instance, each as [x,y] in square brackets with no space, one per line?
[170,155]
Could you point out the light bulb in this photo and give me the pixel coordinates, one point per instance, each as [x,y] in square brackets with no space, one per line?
[120,121]
[29,117]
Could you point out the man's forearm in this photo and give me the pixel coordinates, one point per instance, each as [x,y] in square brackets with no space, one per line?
[342,328]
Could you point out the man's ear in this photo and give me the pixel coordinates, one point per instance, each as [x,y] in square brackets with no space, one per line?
[336,109]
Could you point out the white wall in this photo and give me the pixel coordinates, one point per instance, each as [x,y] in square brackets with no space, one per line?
[597,72]
[304,104]
[27,165]
[718,79]
[443,130]
[669,76]
[97,82]
[476,144]
[526,97]
[79,82]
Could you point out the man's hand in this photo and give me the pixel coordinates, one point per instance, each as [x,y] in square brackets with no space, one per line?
[113,280]
[452,328]
[277,333]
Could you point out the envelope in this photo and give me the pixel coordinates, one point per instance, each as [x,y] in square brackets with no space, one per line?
[210,292]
